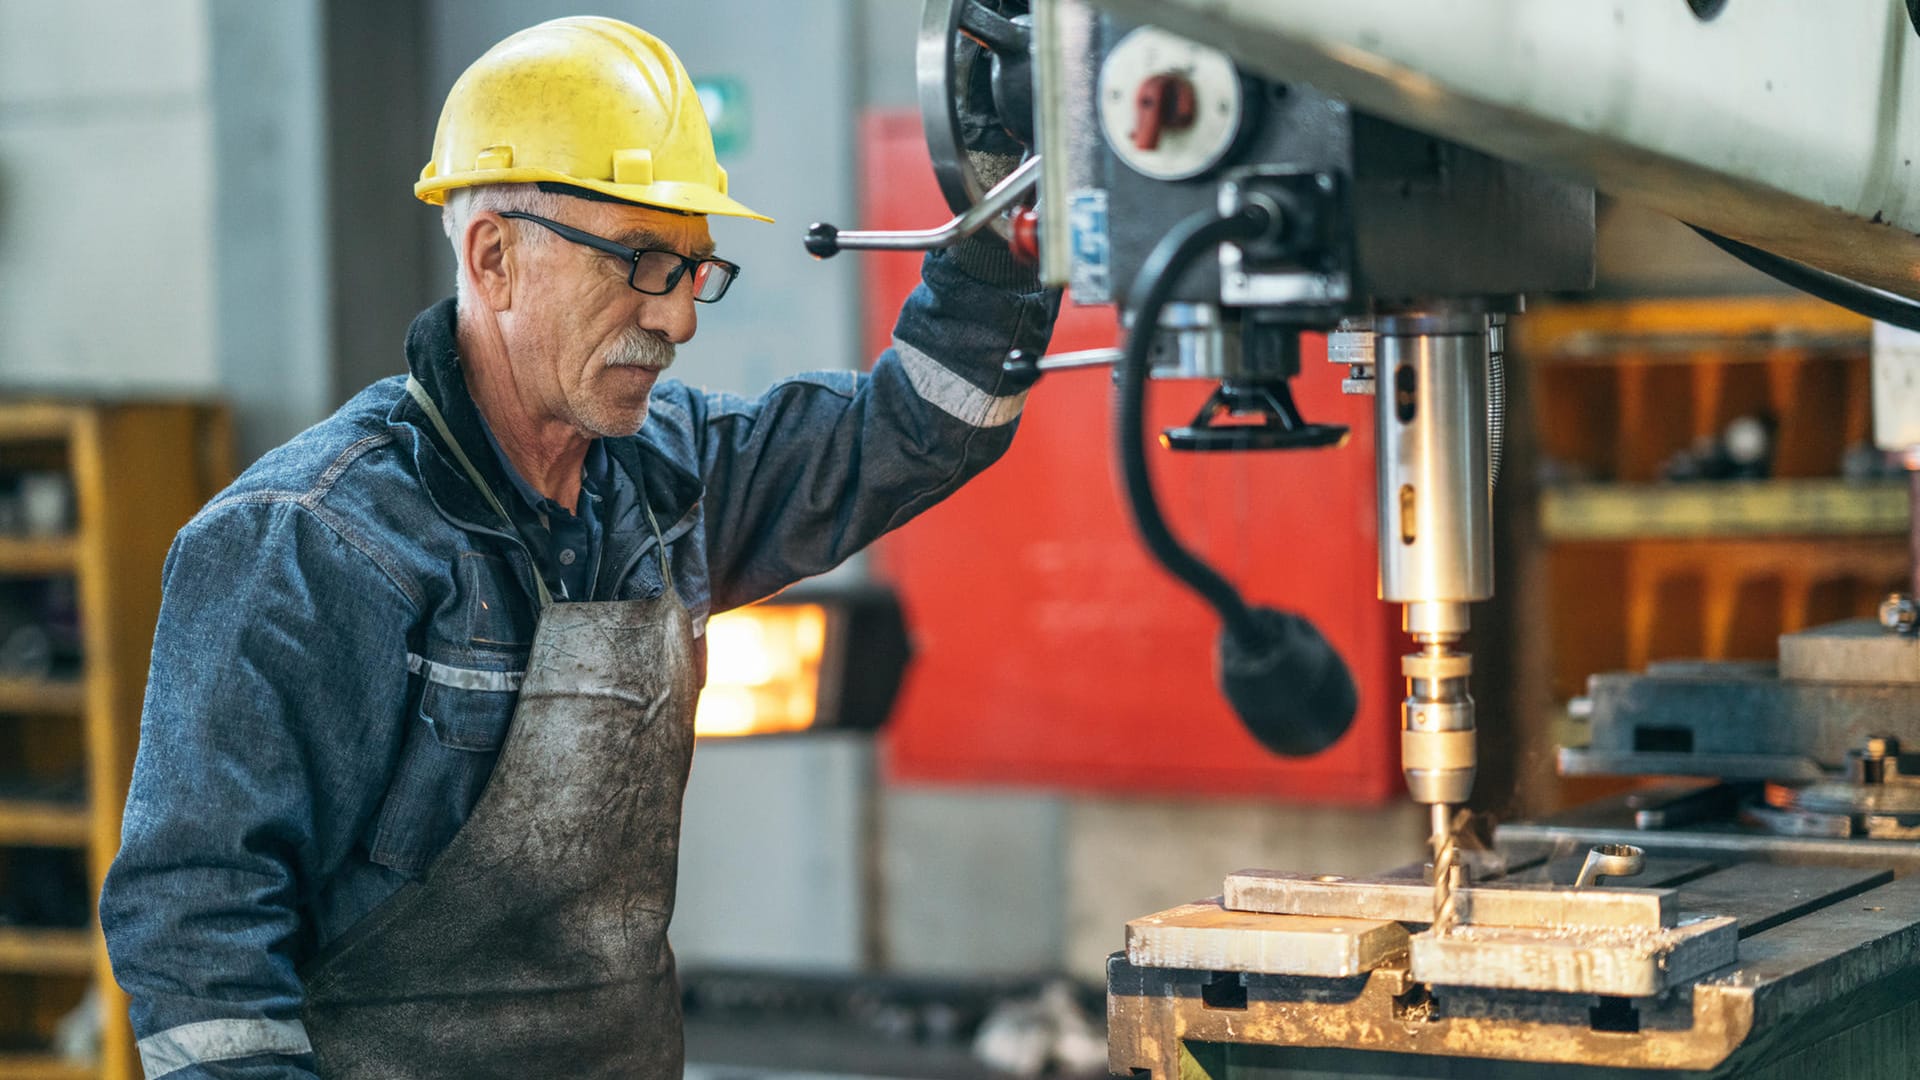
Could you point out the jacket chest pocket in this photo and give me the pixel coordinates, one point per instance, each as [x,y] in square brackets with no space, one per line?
[453,741]
[497,615]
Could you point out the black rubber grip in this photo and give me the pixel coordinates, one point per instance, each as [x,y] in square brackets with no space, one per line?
[823,240]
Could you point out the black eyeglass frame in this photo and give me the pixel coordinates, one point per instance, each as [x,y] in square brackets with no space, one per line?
[632,257]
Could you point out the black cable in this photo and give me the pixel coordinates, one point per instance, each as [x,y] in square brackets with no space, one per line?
[1875,304]
[1152,288]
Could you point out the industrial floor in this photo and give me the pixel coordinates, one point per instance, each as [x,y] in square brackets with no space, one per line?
[815,1050]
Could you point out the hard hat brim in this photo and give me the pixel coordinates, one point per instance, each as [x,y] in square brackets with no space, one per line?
[682,197]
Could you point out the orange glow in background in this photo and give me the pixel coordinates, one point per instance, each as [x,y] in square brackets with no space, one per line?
[763,670]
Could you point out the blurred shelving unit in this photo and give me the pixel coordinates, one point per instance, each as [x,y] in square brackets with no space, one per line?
[44,1067]
[23,555]
[136,472]
[1618,567]
[1731,509]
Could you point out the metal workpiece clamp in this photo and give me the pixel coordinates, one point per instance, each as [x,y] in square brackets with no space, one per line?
[1899,613]
[1610,860]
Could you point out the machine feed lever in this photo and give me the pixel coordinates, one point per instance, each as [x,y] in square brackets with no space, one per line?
[825,241]
[1026,369]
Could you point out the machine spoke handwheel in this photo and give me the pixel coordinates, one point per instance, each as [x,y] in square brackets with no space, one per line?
[945,69]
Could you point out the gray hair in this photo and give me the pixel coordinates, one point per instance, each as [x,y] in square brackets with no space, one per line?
[463,203]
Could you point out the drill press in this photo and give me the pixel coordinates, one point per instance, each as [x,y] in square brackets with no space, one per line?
[1237,188]
[1723,950]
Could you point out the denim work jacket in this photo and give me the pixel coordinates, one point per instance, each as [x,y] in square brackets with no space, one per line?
[343,633]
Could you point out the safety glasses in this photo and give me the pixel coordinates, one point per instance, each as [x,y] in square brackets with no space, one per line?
[654,271]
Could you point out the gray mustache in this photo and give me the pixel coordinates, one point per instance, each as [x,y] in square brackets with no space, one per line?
[638,348]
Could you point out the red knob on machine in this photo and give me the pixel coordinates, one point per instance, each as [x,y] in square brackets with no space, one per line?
[1164,102]
[1025,241]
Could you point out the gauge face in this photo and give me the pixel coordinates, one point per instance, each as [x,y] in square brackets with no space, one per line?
[1170,108]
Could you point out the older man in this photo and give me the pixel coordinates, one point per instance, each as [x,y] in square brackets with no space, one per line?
[407,800]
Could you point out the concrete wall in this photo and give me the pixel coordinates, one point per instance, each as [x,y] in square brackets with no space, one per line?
[974,881]
[106,222]
[379,123]
[776,866]
[271,242]
[162,211]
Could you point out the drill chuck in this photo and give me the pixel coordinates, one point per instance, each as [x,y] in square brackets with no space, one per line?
[1437,752]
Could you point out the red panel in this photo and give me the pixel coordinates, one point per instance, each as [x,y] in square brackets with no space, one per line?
[1050,649]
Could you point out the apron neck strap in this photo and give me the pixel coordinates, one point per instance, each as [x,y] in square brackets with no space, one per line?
[425,400]
[660,542]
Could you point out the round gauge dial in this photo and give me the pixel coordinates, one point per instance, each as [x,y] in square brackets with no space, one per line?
[1170,108]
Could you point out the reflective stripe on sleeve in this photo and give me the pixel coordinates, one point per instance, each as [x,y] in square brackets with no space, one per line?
[950,392]
[219,1040]
[461,678]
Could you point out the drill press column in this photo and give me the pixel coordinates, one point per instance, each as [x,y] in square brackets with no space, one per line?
[1436,541]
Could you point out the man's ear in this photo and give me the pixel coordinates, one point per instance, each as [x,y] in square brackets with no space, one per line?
[483,257]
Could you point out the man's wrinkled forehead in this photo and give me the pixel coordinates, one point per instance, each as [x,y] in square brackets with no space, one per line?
[645,227]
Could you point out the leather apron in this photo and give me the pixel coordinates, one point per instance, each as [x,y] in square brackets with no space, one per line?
[536,943]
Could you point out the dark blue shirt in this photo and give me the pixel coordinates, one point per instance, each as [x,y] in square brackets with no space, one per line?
[568,550]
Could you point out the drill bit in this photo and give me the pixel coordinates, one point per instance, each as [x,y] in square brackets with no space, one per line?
[1446,857]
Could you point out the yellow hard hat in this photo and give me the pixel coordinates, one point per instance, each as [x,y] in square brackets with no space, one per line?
[587,102]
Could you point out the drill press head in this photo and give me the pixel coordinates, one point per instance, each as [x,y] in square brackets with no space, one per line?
[1435,447]
[1427,243]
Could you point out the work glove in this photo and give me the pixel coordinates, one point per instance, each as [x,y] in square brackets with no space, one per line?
[984,258]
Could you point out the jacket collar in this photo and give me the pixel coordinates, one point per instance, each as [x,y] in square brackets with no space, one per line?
[433,358]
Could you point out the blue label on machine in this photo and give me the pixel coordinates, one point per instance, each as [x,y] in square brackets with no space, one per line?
[1090,278]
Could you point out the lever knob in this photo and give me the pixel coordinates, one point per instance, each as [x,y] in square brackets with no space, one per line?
[1021,367]
[1164,102]
[823,240]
